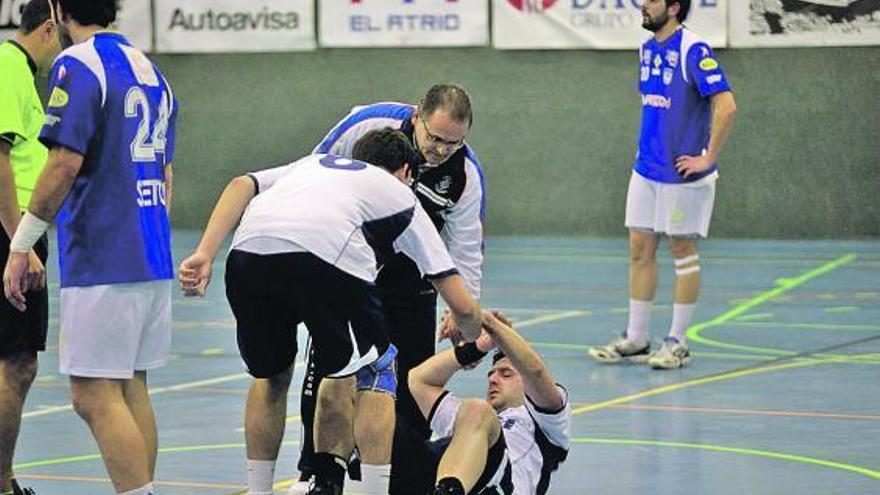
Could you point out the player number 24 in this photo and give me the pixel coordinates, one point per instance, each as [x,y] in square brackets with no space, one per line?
[146,145]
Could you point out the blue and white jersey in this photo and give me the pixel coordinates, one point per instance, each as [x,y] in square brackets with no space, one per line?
[453,193]
[110,104]
[677,78]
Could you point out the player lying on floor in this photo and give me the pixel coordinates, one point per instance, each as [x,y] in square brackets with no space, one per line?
[509,442]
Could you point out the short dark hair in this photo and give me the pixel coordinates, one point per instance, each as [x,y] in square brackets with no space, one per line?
[387,148]
[449,97]
[33,15]
[88,12]
[498,356]
[684,7]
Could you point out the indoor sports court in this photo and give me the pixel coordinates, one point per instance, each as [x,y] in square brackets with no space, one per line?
[780,398]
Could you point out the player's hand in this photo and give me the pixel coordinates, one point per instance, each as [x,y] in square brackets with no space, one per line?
[36,272]
[195,274]
[688,165]
[15,281]
[492,319]
[502,317]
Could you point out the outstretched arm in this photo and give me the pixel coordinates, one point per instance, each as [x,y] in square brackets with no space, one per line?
[195,271]
[428,380]
[540,387]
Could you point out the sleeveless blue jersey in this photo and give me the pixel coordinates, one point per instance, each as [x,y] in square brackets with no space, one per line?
[109,103]
[676,80]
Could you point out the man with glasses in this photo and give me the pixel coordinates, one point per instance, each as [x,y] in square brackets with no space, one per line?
[22,157]
[449,183]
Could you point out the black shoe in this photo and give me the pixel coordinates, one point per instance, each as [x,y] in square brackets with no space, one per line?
[325,488]
[18,490]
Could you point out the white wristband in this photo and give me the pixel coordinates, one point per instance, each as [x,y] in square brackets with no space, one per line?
[28,232]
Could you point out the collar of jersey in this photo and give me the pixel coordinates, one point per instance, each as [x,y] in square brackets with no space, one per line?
[30,61]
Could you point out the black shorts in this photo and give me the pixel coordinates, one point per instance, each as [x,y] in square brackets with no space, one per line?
[24,332]
[271,294]
[498,467]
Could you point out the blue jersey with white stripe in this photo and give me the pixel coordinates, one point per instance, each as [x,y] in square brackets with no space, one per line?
[110,104]
[677,79]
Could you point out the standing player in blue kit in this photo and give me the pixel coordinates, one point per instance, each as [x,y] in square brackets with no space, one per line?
[110,130]
[687,118]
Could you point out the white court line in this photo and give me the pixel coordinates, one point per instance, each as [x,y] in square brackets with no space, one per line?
[44,411]
[564,315]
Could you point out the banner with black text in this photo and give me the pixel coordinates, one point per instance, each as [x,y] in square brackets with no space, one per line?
[214,26]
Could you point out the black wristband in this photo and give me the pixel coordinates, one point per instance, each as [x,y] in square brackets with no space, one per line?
[468,354]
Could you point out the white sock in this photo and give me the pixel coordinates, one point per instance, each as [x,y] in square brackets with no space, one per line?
[375,479]
[639,314]
[260,475]
[681,318]
[144,490]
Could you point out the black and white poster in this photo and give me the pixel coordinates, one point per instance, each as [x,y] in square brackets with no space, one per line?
[804,23]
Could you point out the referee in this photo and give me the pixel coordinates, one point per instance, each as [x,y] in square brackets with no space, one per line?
[22,158]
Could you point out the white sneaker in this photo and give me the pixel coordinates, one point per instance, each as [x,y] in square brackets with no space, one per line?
[301,486]
[671,356]
[621,350]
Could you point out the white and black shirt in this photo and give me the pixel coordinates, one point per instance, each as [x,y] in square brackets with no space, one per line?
[348,213]
[537,441]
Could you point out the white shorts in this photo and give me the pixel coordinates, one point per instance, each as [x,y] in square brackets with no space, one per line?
[109,331]
[680,210]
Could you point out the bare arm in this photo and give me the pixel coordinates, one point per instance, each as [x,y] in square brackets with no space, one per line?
[195,271]
[464,308]
[723,113]
[540,387]
[9,212]
[428,380]
[169,187]
[230,207]
[55,182]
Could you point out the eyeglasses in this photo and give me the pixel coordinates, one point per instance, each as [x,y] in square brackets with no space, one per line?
[438,141]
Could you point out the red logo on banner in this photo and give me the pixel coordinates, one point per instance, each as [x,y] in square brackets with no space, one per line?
[532,5]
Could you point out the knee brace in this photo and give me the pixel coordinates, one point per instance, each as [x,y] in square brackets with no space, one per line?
[380,375]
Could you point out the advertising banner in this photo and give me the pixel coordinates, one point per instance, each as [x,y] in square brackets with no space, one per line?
[211,26]
[805,23]
[395,23]
[612,24]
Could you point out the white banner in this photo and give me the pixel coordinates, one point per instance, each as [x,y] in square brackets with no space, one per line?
[359,23]
[10,17]
[211,26]
[135,20]
[615,24]
[805,23]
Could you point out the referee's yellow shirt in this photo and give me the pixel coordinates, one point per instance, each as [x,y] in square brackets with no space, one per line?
[22,117]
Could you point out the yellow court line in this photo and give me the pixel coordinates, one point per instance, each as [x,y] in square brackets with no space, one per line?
[783,285]
[696,382]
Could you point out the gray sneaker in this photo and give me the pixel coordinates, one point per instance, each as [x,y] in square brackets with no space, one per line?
[621,350]
[671,356]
